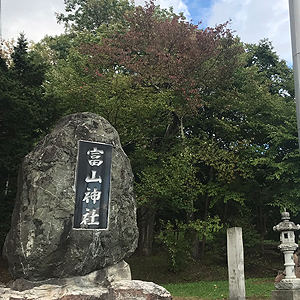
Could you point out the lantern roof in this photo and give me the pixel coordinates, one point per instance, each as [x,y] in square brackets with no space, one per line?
[286,224]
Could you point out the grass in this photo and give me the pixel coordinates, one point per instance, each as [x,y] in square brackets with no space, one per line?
[257,288]
[208,279]
[202,289]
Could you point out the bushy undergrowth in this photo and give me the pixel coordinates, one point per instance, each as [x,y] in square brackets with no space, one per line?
[155,268]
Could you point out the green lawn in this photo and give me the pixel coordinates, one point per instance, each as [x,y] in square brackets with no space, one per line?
[258,287]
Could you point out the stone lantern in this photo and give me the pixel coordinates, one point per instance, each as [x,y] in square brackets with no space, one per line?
[288,246]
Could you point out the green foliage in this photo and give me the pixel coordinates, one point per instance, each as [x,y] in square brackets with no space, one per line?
[174,182]
[135,111]
[176,245]
[217,242]
[175,238]
[268,63]
[208,123]
[91,14]
[25,116]
[53,49]
[28,67]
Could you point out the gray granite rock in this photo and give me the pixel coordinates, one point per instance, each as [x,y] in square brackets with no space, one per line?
[121,290]
[285,294]
[139,290]
[42,243]
[100,278]
[288,284]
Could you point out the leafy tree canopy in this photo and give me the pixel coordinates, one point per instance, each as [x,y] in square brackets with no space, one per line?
[91,14]
[272,67]
[209,123]
[25,116]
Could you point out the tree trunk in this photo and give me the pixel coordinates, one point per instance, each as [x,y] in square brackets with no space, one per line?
[206,208]
[193,236]
[262,224]
[207,200]
[196,248]
[146,221]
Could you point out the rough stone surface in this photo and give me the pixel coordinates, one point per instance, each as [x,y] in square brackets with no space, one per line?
[138,290]
[285,295]
[288,284]
[121,290]
[42,243]
[103,277]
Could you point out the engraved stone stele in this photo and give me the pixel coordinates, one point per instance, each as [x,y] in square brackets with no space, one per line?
[42,242]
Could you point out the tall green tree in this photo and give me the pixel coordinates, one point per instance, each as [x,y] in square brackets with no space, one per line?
[25,115]
[271,67]
[91,14]
[149,81]
[274,181]
[7,153]
[205,120]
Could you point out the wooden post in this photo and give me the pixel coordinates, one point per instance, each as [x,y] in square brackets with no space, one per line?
[235,256]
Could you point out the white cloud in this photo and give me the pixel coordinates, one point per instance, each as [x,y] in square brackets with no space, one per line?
[254,20]
[178,5]
[35,18]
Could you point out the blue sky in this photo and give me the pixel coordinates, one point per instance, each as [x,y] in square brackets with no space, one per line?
[252,20]
[199,9]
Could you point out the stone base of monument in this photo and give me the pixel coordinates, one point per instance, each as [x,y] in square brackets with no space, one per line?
[287,289]
[111,283]
[286,295]
[288,284]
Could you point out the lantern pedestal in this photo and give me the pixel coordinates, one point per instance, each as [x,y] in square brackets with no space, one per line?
[286,295]
[288,284]
[289,287]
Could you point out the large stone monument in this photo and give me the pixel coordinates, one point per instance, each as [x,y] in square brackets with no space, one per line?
[74,219]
